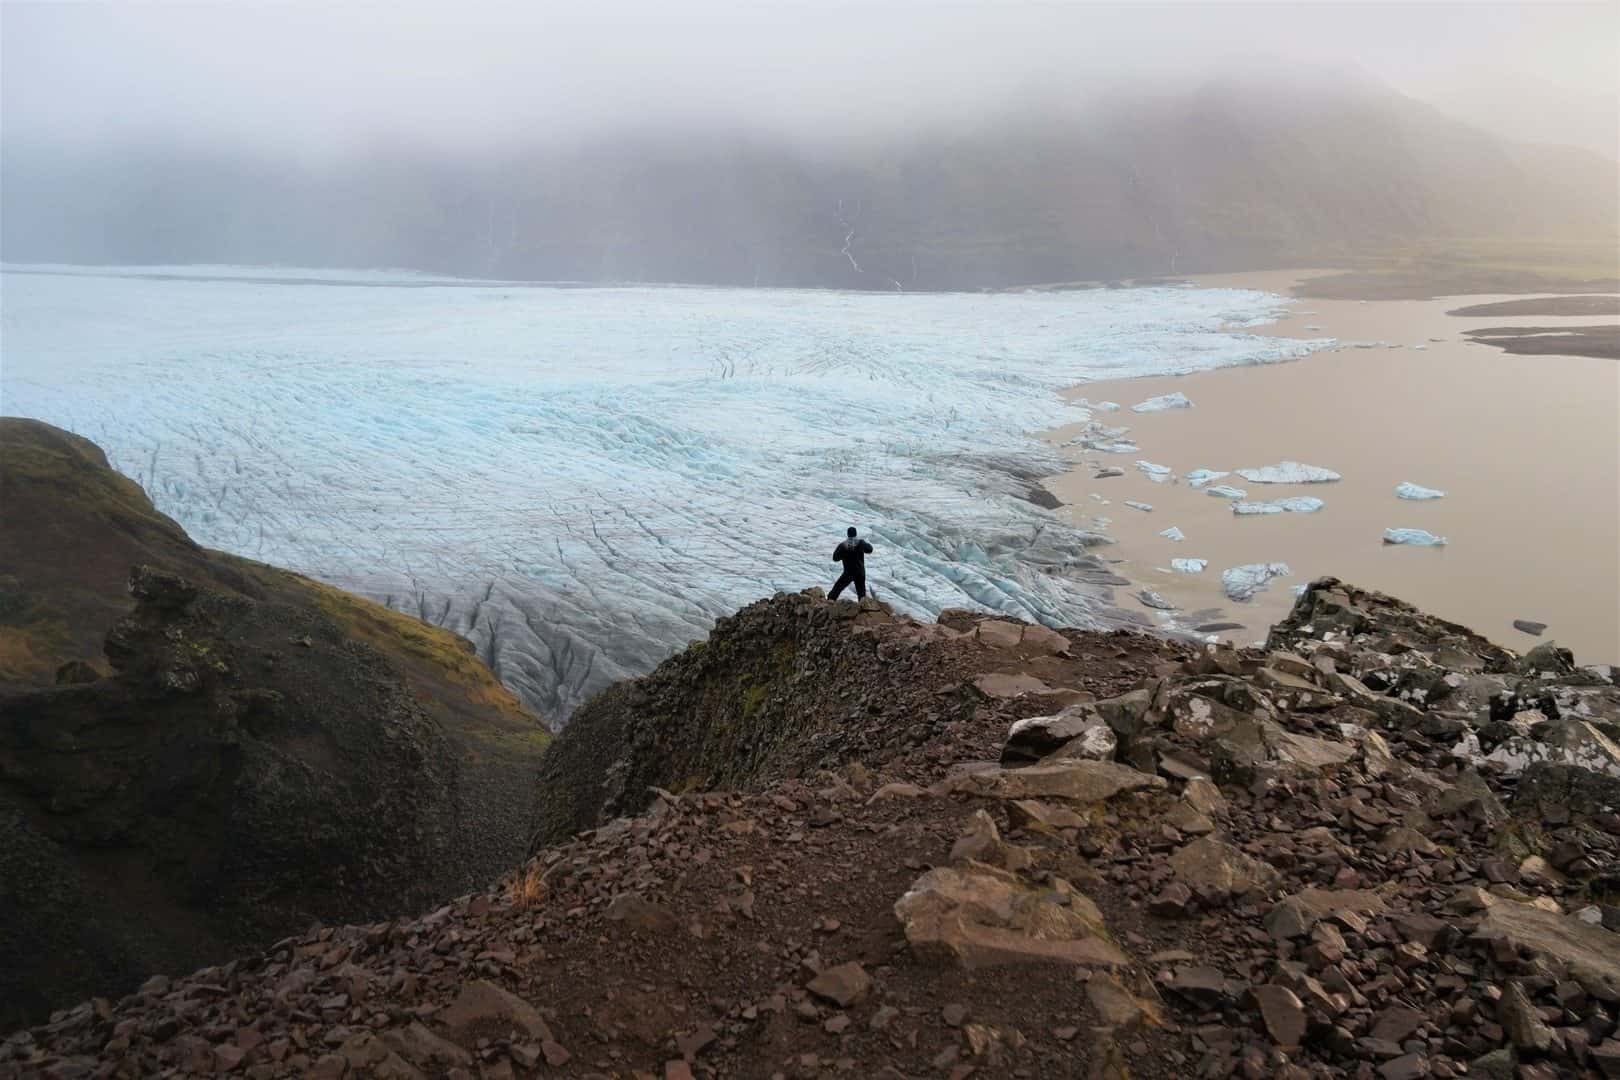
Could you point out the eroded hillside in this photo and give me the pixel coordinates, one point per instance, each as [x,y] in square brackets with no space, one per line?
[1382,847]
[199,753]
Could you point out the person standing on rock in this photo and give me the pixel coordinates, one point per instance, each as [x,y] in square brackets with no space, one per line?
[852,552]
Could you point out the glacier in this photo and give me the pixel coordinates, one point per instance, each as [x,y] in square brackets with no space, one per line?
[580,480]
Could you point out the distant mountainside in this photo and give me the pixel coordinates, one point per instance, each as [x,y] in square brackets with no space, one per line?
[1243,173]
[199,754]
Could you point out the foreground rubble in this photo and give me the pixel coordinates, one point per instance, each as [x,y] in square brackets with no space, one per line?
[1381,848]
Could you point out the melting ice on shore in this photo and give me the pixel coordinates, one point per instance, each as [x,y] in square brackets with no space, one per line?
[1197,478]
[1289,472]
[1163,403]
[581,480]
[1226,491]
[1242,582]
[1173,533]
[1408,490]
[1297,504]
[1413,537]
[1188,566]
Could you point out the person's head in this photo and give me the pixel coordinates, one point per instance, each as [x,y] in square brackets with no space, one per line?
[852,532]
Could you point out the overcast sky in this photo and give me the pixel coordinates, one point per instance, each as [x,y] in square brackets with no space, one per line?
[310,77]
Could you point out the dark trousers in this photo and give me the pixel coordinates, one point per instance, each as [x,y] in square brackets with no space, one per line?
[858,579]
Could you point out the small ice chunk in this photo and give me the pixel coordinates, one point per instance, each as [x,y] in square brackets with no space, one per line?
[1156,473]
[1173,533]
[1289,472]
[1420,346]
[1242,582]
[1299,590]
[1154,600]
[1142,506]
[1121,447]
[1163,403]
[1414,537]
[1188,566]
[1313,329]
[1098,497]
[1199,477]
[1296,504]
[1100,406]
[1408,490]
[1226,491]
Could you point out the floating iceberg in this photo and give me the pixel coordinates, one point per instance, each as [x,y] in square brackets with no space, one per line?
[1154,600]
[1173,533]
[1156,473]
[1242,582]
[1408,490]
[1121,447]
[1226,491]
[1199,477]
[1144,507]
[1099,406]
[1163,403]
[1413,537]
[1188,566]
[1297,504]
[1289,472]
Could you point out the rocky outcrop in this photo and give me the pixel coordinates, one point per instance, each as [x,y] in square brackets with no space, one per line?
[1297,865]
[240,752]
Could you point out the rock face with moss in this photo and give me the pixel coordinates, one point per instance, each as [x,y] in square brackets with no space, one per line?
[199,754]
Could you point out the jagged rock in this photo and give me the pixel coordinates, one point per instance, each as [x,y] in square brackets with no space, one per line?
[420,1046]
[844,985]
[1589,952]
[1203,796]
[368,1055]
[979,917]
[1210,864]
[1523,1024]
[1077,732]
[1116,1006]
[1282,1012]
[1077,781]
[639,915]
[1040,817]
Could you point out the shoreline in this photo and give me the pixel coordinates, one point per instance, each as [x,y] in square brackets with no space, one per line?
[1523,445]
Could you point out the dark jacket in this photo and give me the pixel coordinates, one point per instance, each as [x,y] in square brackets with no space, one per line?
[852,553]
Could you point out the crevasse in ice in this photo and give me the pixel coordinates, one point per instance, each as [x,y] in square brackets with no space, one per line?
[581,480]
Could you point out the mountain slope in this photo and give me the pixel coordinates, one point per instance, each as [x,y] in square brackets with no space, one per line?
[1264,170]
[1381,847]
[254,751]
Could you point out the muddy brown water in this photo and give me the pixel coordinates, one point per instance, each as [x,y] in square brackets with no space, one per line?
[1527,449]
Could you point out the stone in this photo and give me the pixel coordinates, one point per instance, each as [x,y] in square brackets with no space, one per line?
[978,916]
[1282,1012]
[1076,781]
[843,985]
[1496,1065]
[1210,864]
[999,686]
[1606,1057]
[1406,1067]
[1042,817]
[1079,730]
[416,1044]
[1116,1006]
[1204,987]
[981,840]
[482,1003]
[1589,952]
[1183,818]
[1397,1023]
[1530,626]
[1523,1024]
[1203,796]
[1290,918]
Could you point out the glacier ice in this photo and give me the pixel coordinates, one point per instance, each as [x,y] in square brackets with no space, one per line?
[1173,533]
[1408,490]
[1197,478]
[1163,403]
[581,479]
[1297,504]
[1289,472]
[1142,506]
[1242,582]
[1099,406]
[1226,491]
[1188,566]
[1413,537]
[1156,473]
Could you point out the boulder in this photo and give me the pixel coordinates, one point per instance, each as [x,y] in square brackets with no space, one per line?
[978,916]
[1210,865]
[1589,952]
[1072,781]
[485,1009]
[1079,731]
[844,985]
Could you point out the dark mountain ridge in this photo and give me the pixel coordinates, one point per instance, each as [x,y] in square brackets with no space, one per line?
[1242,173]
